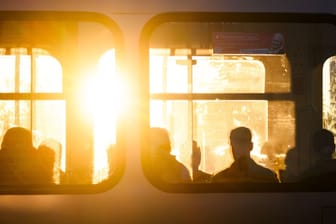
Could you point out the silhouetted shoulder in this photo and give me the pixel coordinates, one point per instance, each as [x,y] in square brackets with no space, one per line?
[323,171]
[247,171]
[20,162]
[164,165]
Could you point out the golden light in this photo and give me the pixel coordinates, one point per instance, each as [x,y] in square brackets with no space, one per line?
[104,97]
[105,109]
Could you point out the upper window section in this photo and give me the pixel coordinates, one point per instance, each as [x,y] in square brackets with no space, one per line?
[210,74]
[220,59]
[17,65]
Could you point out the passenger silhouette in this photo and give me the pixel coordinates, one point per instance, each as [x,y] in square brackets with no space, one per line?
[51,152]
[291,173]
[20,162]
[244,169]
[324,169]
[198,175]
[164,165]
[46,162]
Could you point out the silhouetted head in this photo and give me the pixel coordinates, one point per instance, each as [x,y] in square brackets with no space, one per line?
[159,139]
[17,138]
[323,143]
[291,159]
[241,142]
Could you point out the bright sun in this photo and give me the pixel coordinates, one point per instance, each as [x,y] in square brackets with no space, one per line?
[103,96]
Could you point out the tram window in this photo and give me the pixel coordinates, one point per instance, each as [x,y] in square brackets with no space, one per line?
[208,121]
[208,78]
[57,108]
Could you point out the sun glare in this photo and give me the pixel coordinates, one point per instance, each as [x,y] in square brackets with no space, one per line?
[102,96]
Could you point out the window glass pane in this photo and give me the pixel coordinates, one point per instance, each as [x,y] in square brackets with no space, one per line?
[48,74]
[16,73]
[24,73]
[218,74]
[215,74]
[49,130]
[7,71]
[169,74]
[15,113]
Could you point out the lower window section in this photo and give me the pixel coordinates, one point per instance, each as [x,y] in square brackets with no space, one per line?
[206,125]
[38,129]
[45,121]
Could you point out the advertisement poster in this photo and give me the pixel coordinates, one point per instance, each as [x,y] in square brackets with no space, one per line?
[248,43]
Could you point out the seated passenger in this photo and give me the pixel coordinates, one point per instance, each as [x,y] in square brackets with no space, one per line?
[20,163]
[46,160]
[198,176]
[164,165]
[324,169]
[291,172]
[244,169]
